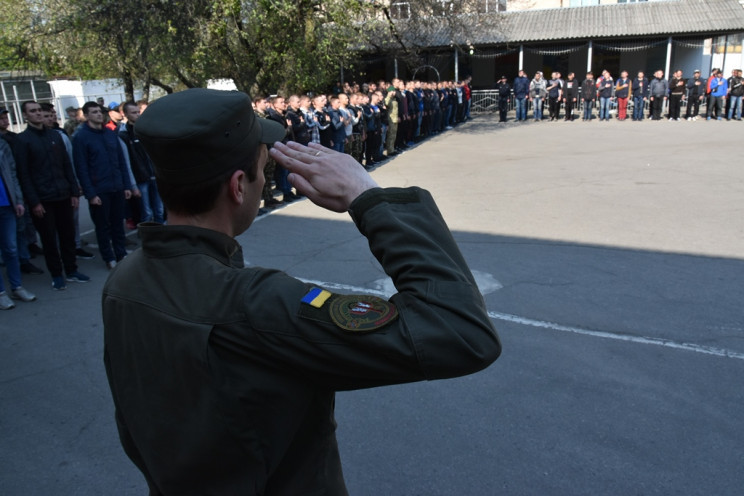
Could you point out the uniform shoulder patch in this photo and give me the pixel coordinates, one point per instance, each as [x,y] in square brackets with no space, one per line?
[316,297]
[361,313]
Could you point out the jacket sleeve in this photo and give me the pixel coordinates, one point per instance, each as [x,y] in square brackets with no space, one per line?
[22,170]
[442,328]
[9,164]
[125,166]
[69,168]
[82,166]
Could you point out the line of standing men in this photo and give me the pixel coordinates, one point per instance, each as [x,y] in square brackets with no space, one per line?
[715,91]
[370,123]
[45,172]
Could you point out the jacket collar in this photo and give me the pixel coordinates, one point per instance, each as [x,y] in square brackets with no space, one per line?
[161,241]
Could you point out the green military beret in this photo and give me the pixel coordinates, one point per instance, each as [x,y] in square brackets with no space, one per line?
[198,134]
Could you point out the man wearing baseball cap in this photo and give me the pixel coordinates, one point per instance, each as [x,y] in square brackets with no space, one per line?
[224,376]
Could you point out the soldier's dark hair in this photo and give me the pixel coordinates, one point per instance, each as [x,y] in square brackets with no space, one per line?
[26,104]
[90,105]
[127,104]
[195,199]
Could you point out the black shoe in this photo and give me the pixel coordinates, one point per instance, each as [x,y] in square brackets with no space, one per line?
[29,268]
[262,211]
[271,203]
[35,249]
[84,255]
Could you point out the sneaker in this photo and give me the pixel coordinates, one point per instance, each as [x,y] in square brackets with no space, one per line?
[110,265]
[58,283]
[29,268]
[77,277]
[5,302]
[84,255]
[131,225]
[21,294]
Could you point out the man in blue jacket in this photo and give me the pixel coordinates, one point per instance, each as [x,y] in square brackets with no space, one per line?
[718,91]
[104,178]
[521,89]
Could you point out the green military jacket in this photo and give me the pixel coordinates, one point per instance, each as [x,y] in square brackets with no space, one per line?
[223,376]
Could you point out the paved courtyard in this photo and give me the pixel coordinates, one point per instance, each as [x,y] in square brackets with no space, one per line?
[611,257]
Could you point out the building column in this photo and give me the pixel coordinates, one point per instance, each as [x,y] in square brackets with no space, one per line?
[521,57]
[457,64]
[395,61]
[668,65]
[589,57]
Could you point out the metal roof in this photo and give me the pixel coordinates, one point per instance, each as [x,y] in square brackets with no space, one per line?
[643,19]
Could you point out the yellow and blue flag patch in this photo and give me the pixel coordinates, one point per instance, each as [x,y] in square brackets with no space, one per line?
[316,297]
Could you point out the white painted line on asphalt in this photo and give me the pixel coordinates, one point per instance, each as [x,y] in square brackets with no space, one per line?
[707,350]
[620,337]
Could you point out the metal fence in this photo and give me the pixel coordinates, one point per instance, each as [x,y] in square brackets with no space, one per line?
[15,92]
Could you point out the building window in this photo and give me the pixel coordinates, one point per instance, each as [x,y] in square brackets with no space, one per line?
[400,10]
[490,6]
[442,8]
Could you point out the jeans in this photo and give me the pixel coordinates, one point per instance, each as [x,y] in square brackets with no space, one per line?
[638,108]
[588,109]
[569,108]
[8,247]
[521,108]
[735,106]
[537,108]
[715,107]
[108,217]
[22,240]
[57,232]
[604,107]
[152,205]
[281,175]
[383,140]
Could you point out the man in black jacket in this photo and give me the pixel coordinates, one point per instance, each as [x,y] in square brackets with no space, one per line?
[695,94]
[504,90]
[570,95]
[588,95]
[142,167]
[639,86]
[296,121]
[51,191]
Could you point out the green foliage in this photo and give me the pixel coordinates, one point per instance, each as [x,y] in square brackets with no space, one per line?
[265,46]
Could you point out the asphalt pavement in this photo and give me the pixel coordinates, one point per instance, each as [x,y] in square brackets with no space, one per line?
[611,257]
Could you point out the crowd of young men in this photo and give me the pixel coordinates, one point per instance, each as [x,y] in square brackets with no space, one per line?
[46,169]
[722,97]
[371,122]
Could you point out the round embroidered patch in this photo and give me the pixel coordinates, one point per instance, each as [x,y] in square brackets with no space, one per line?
[361,313]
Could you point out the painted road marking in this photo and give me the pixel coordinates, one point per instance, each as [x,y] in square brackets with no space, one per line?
[386,291]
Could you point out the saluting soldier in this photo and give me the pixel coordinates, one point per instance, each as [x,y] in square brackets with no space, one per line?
[224,376]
